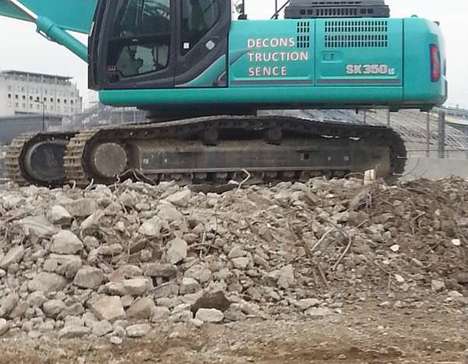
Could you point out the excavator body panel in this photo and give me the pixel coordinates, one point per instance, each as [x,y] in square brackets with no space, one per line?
[273,64]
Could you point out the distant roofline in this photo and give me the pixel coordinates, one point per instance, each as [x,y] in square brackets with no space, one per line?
[14,72]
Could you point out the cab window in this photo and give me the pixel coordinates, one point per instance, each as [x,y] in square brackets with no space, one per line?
[141,39]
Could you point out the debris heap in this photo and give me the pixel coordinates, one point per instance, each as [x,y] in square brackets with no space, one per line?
[116,261]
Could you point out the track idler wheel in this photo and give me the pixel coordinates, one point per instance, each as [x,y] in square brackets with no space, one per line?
[43,163]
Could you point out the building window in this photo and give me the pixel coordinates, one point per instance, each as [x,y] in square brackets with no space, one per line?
[65,101]
[9,96]
[16,97]
[30,98]
[51,99]
[24,97]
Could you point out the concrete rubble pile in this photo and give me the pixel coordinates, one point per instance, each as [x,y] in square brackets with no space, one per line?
[117,262]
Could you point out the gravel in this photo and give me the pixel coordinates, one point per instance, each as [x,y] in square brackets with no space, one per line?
[117,262]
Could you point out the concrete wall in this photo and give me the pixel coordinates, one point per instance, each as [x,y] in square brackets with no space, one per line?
[12,127]
[433,168]
[3,150]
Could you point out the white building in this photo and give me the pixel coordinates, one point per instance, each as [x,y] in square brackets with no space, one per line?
[36,93]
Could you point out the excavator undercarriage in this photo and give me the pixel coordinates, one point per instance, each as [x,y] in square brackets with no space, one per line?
[206,150]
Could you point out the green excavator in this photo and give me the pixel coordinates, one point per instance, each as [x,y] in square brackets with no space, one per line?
[203,74]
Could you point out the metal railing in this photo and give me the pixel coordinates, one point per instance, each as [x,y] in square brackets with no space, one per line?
[279,9]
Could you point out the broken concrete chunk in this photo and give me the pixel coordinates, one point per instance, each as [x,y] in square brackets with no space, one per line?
[286,277]
[136,331]
[65,242]
[181,198]
[82,208]
[38,226]
[102,328]
[59,215]
[108,308]
[92,223]
[137,286]
[241,263]
[437,285]
[47,282]
[151,228]
[8,304]
[89,277]
[13,256]
[210,315]
[189,286]
[158,270]
[142,309]
[73,332]
[4,327]
[215,299]
[166,290]
[65,265]
[176,251]
[318,313]
[53,308]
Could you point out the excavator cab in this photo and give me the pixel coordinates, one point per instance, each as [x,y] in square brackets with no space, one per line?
[156,44]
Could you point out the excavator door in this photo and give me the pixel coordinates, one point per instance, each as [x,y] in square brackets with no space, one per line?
[151,44]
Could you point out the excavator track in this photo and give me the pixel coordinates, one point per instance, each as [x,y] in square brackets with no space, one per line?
[224,148]
[13,159]
[74,171]
[37,159]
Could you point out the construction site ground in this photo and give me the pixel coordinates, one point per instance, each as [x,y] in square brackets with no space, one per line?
[365,333]
[323,271]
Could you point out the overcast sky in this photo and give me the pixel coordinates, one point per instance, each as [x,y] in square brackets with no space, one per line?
[23,49]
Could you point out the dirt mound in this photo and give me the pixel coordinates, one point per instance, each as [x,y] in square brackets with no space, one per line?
[113,261]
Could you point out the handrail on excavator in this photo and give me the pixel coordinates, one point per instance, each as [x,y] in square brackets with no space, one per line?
[278,10]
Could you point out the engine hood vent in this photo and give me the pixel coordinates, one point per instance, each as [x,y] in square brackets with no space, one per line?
[309,9]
